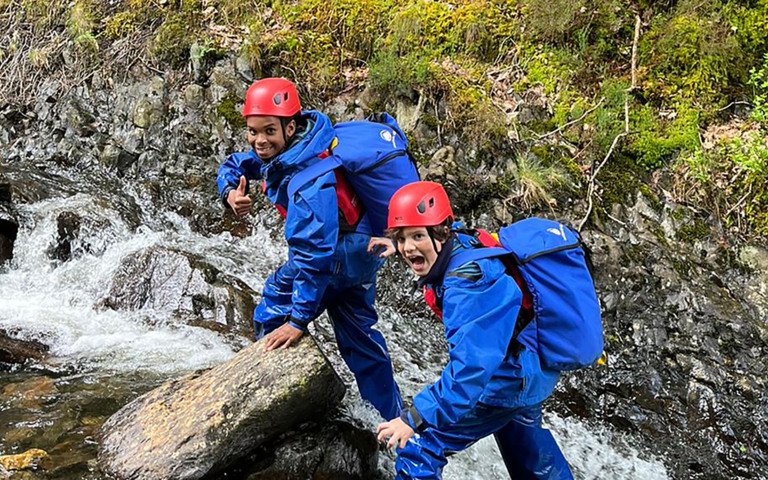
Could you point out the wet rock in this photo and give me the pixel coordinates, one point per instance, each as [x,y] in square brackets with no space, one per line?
[13,350]
[185,287]
[68,228]
[755,289]
[200,424]
[337,450]
[31,459]
[149,108]
[32,393]
[9,226]
[194,95]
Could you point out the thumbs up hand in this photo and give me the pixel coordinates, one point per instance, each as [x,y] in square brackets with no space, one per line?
[239,200]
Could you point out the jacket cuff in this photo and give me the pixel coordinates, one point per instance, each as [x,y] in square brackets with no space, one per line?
[413,419]
[298,324]
[224,194]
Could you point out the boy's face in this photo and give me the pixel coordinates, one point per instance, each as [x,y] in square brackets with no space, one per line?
[265,135]
[416,247]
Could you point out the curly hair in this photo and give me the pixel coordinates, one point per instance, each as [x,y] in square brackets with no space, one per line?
[439,232]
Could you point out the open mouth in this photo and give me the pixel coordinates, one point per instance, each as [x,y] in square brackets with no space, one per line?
[417,261]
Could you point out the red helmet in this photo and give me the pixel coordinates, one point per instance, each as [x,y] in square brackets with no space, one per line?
[272,96]
[419,204]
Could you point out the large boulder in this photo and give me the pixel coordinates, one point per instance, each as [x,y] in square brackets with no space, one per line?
[185,287]
[200,424]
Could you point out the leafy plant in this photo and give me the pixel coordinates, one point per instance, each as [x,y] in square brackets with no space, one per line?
[758,80]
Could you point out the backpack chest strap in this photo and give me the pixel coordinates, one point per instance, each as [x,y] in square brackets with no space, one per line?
[312,172]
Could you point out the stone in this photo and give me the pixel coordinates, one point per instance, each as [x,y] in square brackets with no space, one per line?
[200,424]
[336,450]
[9,228]
[68,228]
[31,459]
[32,393]
[13,350]
[183,285]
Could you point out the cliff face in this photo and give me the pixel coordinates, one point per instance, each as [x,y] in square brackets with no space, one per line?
[684,312]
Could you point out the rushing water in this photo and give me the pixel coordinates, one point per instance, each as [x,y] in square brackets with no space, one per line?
[101,358]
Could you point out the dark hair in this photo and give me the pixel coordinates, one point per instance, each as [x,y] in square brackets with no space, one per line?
[439,232]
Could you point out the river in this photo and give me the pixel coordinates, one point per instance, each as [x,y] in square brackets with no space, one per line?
[101,358]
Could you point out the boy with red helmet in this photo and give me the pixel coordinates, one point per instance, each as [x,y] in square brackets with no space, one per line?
[328,267]
[494,383]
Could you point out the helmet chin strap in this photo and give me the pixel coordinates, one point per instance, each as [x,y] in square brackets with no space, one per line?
[434,243]
[284,121]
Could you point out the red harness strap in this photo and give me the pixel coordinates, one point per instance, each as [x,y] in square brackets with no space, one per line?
[488,240]
[431,298]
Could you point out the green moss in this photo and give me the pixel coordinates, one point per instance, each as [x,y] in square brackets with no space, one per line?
[651,196]
[173,40]
[691,232]
[654,139]
[620,179]
[228,109]
[682,266]
[693,54]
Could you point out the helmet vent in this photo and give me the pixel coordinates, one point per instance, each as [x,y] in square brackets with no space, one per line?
[421,207]
[277,100]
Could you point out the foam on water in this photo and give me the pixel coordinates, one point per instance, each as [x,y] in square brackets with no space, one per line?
[57,303]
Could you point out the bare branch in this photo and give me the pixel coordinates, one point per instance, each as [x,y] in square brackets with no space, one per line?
[593,175]
[635,41]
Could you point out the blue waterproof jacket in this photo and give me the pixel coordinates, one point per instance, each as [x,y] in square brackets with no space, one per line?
[315,248]
[480,304]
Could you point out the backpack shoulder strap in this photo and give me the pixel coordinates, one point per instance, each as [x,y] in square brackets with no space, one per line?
[475,254]
[312,172]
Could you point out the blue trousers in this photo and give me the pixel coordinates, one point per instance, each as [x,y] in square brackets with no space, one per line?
[528,449]
[362,347]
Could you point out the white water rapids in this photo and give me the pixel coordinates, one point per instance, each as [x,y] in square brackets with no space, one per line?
[57,304]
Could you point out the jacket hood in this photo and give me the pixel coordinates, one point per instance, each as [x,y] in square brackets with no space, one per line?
[302,152]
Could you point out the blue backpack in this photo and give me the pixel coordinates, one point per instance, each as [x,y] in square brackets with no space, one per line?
[551,261]
[373,157]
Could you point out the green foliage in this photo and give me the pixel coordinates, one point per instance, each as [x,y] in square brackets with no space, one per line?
[695,53]
[549,67]
[44,14]
[173,40]
[355,25]
[553,19]
[80,24]
[654,138]
[758,80]
[393,75]
[732,178]
[534,182]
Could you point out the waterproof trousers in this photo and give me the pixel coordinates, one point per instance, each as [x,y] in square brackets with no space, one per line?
[353,316]
[528,449]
